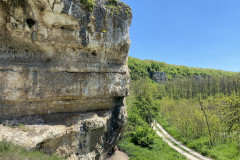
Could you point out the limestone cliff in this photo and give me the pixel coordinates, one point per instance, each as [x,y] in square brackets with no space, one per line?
[63,75]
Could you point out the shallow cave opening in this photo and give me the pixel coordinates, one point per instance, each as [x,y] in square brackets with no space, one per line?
[94,53]
[30,22]
[42,9]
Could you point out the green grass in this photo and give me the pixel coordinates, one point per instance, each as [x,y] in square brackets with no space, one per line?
[13,152]
[225,151]
[159,151]
[173,131]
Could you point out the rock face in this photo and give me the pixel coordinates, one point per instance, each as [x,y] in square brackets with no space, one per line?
[160,77]
[63,75]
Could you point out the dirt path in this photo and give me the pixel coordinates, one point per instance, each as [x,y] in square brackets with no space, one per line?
[118,155]
[179,147]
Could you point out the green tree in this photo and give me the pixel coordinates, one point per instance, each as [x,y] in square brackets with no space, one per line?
[146,104]
[231,113]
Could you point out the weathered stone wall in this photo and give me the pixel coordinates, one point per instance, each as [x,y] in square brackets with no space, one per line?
[55,56]
[58,57]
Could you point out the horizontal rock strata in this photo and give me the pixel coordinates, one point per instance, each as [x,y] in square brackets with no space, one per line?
[57,57]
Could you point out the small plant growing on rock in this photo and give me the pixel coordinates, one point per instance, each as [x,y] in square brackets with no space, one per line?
[23,128]
[88,4]
[112,2]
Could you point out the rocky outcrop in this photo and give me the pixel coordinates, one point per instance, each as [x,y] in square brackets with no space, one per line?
[63,75]
[160,77]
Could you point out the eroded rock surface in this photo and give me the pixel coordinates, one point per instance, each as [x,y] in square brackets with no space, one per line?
[63,75]
[160,77]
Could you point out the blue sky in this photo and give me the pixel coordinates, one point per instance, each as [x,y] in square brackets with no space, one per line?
[194,33]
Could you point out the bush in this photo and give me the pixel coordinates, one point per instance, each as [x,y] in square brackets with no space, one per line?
[143,136]
[88,4]
[112,2]
[4,147]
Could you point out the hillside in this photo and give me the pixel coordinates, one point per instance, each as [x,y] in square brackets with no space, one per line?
[146,68]
[199,107]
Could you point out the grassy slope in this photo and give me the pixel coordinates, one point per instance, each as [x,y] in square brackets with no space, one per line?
[159,151]
[12,152]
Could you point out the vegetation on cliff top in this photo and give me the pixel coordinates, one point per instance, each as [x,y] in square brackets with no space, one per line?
[145,68]
[89,4]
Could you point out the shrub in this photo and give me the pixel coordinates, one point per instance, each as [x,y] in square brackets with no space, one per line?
[112,2]
[88,4]
[143,136]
